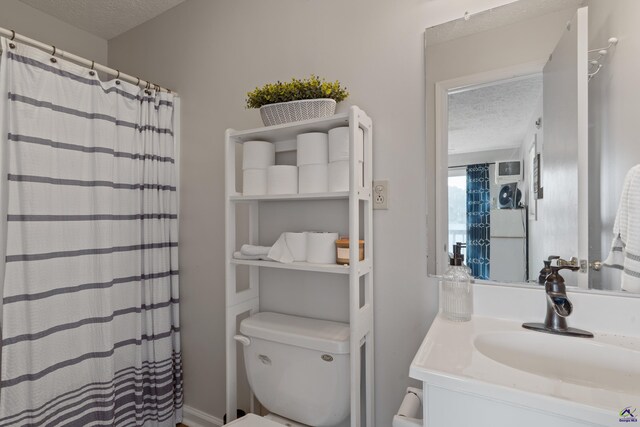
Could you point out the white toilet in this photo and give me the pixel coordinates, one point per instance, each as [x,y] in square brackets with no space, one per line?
[298,368]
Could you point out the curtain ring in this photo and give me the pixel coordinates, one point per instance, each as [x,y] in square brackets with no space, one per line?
[148,85]
[118,75]
[138,82]
[93,63]
[13,35]
[54,51]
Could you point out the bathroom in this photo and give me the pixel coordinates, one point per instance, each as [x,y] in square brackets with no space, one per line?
[212,53]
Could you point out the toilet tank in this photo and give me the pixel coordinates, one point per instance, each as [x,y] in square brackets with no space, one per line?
[299,367]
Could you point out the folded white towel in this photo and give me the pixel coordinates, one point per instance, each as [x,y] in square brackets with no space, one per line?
[625,249]
[254,250]
[240,255]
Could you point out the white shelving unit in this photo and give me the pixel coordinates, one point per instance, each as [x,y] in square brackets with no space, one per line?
[360,273]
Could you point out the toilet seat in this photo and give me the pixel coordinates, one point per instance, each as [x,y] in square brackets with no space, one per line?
[253,420]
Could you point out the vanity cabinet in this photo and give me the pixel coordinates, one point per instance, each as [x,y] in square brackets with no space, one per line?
[445,408]
[291,208]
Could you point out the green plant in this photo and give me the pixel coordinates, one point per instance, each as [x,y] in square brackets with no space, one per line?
[296,89]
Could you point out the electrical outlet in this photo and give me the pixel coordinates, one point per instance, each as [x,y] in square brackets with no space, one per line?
[380,194]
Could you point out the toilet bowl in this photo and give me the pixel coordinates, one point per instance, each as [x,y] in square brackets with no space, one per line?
[298,368]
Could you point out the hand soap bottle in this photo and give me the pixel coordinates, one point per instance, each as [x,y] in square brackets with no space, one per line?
[456,292]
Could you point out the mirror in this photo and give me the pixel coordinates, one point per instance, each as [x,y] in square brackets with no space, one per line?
[531,108]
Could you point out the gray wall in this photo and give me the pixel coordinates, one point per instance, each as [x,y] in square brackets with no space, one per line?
[613,123]
[212,53]
[15,15]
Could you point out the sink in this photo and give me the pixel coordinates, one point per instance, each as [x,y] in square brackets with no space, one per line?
[589,381]
[491,372]
[567,359]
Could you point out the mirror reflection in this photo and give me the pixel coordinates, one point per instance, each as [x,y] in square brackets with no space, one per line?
[531,107]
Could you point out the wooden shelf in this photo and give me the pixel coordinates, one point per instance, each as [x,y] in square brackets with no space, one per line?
[284,197]
[358,278]
[289,131]
[363,267]
[301,266]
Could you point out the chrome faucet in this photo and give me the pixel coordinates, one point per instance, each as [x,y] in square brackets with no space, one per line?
[558,305]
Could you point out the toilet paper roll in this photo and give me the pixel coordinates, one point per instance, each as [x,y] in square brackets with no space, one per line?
[339,175]
[282,179]
[321,248]
[254,182]
[339,144]
[313,148]
[258,155]
[410,406]
[297,244]
[313,179]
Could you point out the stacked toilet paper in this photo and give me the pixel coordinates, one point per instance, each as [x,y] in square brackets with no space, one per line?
[322,165]
[282,179]
[312,162]
[313,247]
[297,244]
[257,157]
[321,248]
[338,170]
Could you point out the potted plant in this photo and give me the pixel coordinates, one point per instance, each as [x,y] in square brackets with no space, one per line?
[299,99]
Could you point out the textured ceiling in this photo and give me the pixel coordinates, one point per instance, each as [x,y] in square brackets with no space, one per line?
[493,117]
[497,17]
[104,18]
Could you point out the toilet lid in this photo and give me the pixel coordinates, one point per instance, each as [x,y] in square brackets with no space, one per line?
[253,420]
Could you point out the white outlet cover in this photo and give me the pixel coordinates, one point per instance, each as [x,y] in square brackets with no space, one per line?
[380,194]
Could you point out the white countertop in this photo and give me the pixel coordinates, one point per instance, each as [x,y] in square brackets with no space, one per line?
[449,358]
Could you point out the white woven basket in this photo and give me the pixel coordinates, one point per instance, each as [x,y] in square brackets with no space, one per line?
[294,111]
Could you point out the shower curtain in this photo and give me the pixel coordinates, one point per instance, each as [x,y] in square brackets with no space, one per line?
[478,220]
[90,328]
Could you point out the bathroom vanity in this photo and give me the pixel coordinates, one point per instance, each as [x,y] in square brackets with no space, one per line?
[491,372]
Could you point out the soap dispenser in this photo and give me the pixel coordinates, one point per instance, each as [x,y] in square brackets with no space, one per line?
[456,292]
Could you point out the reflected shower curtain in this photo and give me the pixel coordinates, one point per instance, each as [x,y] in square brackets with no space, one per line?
[478,220]
[90,329]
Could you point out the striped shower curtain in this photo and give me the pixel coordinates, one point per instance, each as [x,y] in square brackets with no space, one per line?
[90,328]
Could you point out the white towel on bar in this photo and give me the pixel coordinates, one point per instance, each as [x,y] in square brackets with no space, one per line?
[625,249]
[240,255]
[253,250]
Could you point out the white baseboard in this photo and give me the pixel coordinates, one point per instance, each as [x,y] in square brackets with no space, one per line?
[192,417]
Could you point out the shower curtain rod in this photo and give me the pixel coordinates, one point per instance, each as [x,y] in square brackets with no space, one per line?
[53,51]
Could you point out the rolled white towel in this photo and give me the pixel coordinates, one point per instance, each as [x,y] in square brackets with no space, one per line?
[254,250]
[240,255]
